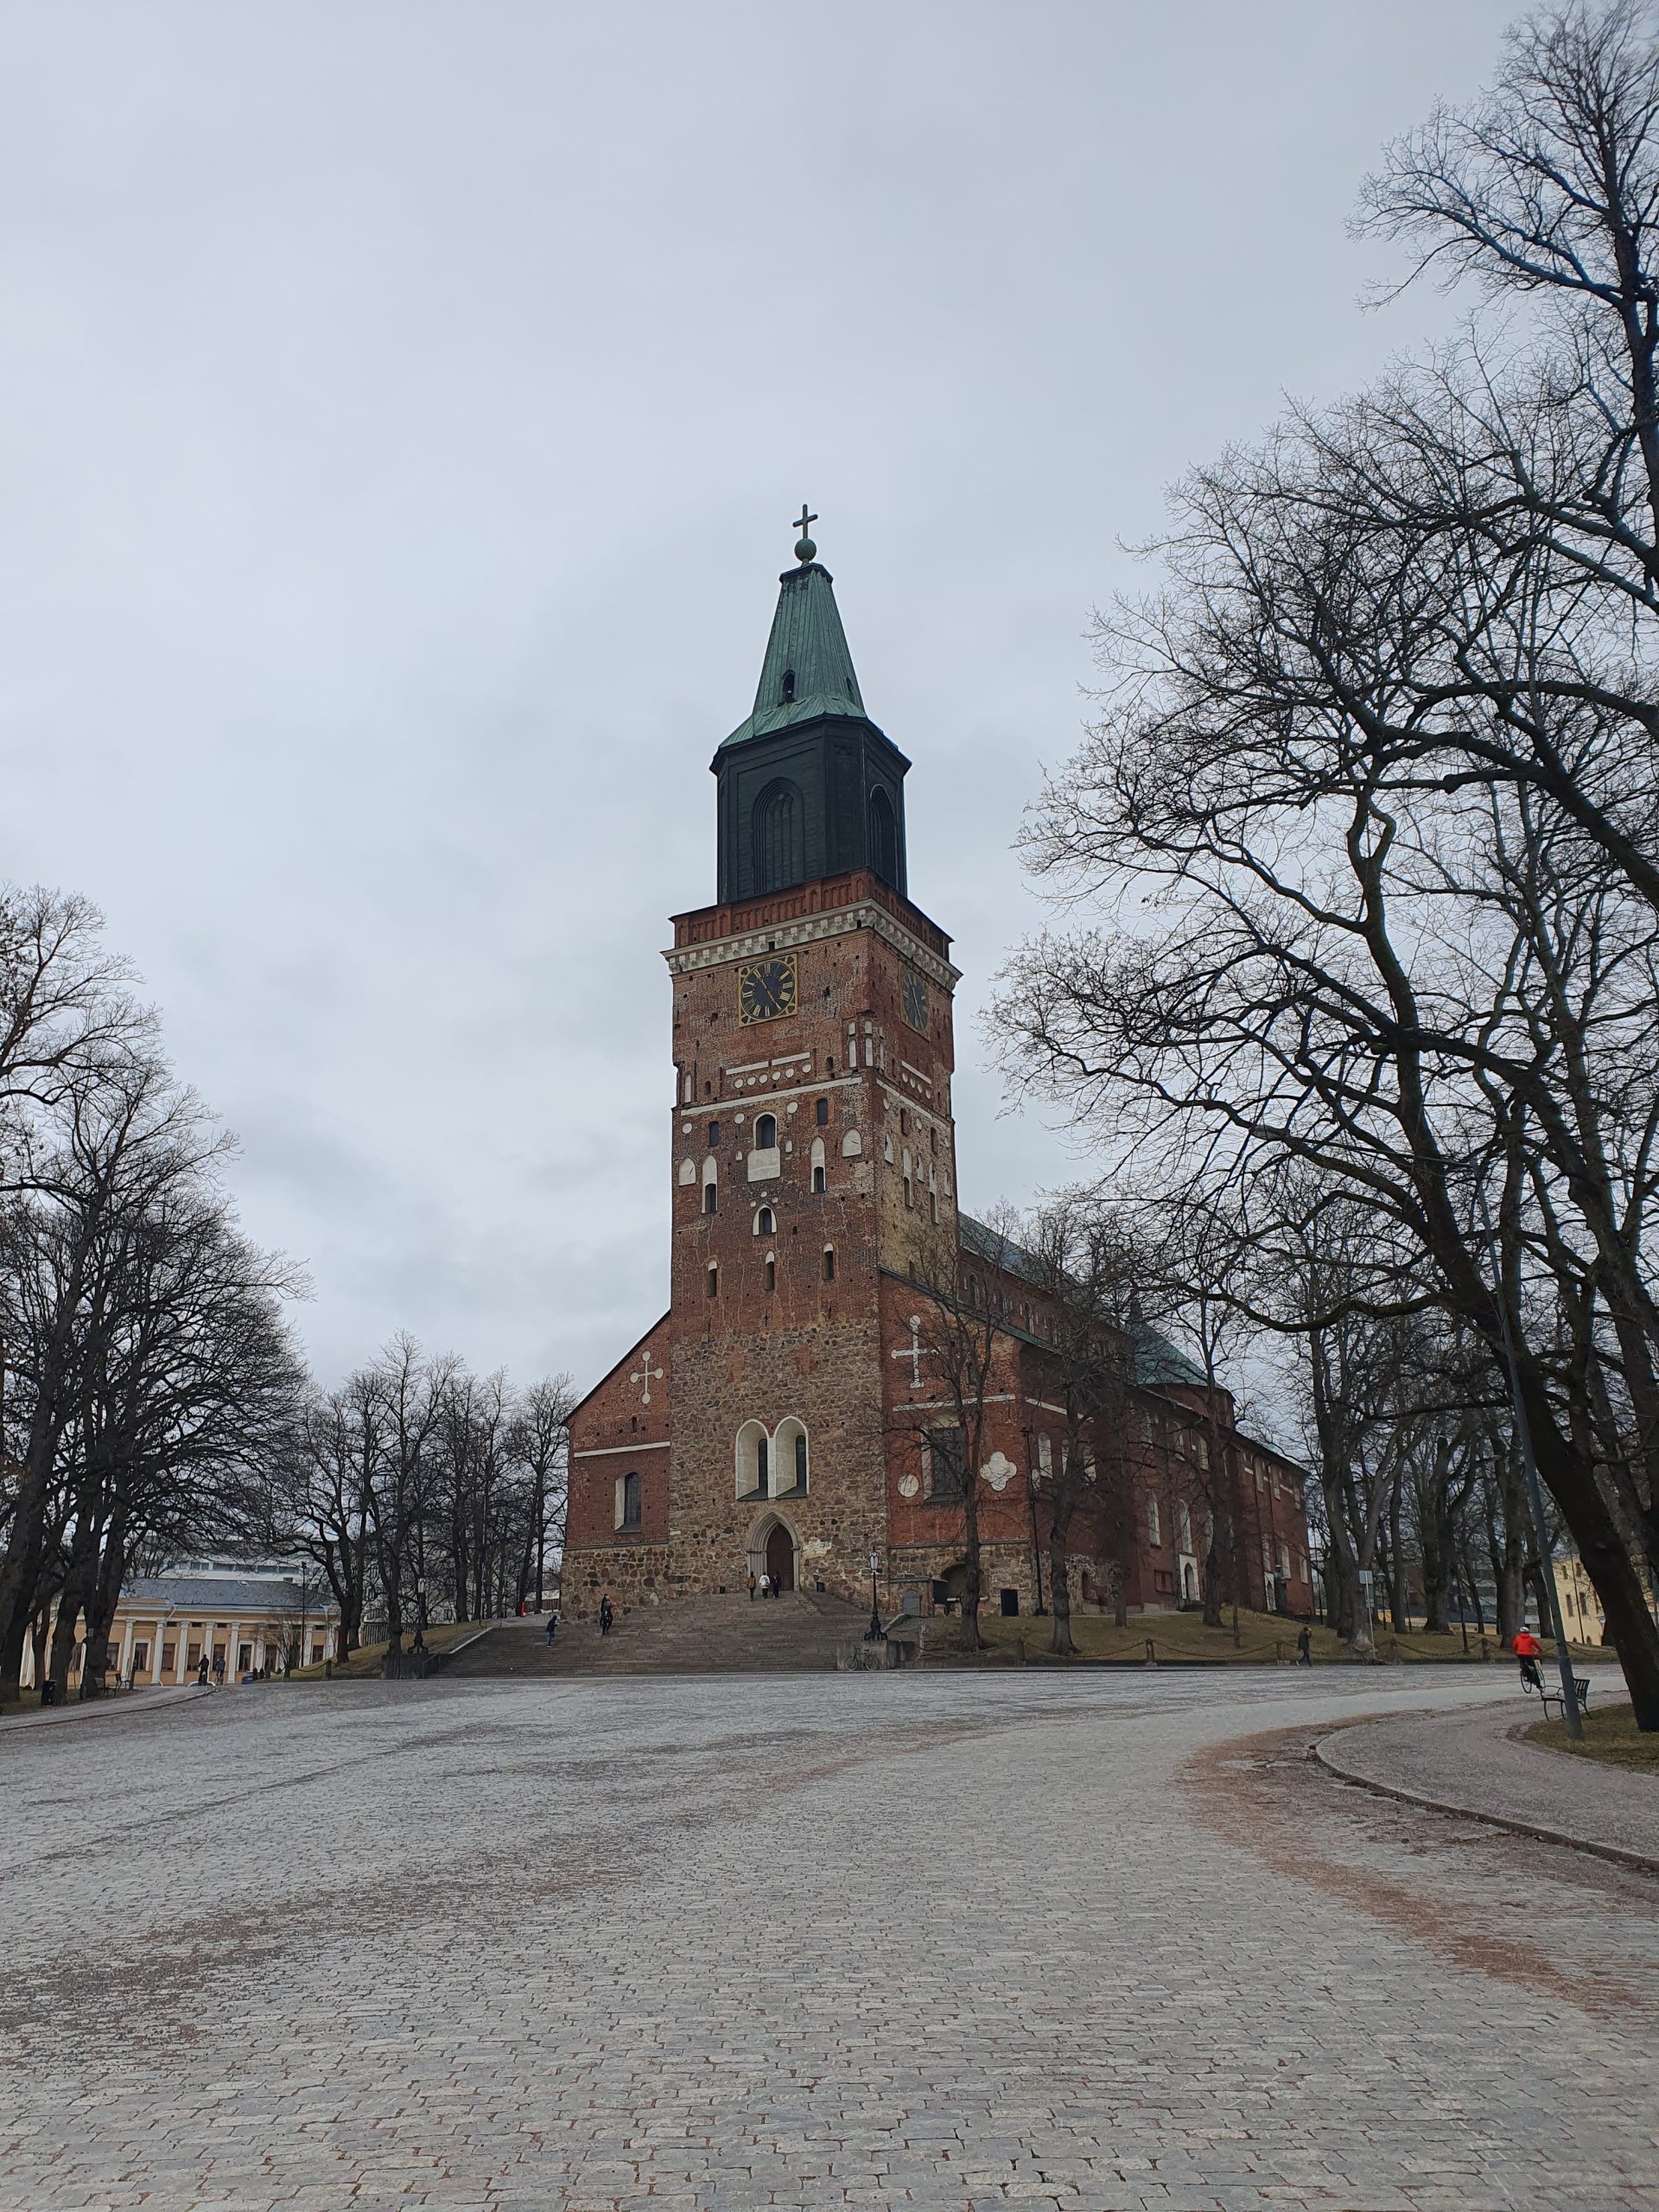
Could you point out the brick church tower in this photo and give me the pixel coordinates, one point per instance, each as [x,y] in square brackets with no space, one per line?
[811,1167]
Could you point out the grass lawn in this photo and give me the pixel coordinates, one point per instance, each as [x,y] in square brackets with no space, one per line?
[1612,1737]
[369,1658]
[1264,1639]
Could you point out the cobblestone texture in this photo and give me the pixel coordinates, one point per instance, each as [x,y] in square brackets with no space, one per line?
[1472,1762]
[1108,1942]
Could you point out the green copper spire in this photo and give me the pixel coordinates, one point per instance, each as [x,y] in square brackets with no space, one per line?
[809,788]
[808,671]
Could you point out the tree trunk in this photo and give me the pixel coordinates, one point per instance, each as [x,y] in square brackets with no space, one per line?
[970,1595]
[1601,1546]
[1473,1587]
[63,1634]
[1060,1581]
[105,1598]
[1438,1545]
[1212,1582]
[40,1634]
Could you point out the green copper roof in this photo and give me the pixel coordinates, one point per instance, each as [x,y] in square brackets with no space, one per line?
[808,671]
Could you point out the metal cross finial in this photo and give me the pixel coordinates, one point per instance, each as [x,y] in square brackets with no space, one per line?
[806,549]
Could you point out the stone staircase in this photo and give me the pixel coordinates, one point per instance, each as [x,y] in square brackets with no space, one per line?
[796,1633]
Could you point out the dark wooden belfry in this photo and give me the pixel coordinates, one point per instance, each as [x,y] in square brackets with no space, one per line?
[808,785]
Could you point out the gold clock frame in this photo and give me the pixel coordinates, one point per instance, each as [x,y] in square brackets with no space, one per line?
[790,965]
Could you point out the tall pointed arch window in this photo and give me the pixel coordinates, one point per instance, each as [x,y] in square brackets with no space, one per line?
[884,837]
[779,836]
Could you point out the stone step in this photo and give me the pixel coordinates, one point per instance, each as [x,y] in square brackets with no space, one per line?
[798,1632]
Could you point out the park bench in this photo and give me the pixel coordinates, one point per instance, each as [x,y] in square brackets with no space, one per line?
[1580,1691]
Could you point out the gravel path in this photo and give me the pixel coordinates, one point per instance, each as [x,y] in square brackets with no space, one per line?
[1470,1763]
[1101,1943]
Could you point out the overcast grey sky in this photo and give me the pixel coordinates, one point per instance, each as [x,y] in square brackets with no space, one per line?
[403,408]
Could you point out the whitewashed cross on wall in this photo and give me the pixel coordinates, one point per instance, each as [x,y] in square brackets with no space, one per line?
[913,1351]
[646,1376]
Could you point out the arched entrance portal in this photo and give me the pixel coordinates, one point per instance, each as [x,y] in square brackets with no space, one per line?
[774,1552]
[781,1558]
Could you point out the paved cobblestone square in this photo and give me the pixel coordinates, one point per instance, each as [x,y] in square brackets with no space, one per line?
[1101,1942]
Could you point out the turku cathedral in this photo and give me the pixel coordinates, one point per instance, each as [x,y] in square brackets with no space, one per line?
[783,1418]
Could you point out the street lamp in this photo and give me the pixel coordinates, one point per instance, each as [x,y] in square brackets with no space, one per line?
[419,1644]
[873,1634]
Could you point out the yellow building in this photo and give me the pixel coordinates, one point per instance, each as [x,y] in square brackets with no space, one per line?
[242,1620]
[1581,1614]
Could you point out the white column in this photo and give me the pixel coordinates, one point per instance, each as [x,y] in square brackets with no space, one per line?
[125,1660]
[231,1651]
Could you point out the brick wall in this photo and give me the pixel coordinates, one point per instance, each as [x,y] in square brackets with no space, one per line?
[856,1078]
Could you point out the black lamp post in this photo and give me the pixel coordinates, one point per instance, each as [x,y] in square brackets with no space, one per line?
[873,1634]
[419,1644]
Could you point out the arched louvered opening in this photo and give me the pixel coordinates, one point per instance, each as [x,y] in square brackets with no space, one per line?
[780,830]
[884,837]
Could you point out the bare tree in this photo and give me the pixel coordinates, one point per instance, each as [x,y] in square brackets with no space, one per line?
[1368,822]
[1085,1258]
[540,1441]
[410,1392]
[962,1340]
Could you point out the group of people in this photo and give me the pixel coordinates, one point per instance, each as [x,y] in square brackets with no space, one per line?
[606,1619]
[766,1587]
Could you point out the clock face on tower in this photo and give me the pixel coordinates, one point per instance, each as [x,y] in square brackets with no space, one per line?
[766,988]
[914,1000]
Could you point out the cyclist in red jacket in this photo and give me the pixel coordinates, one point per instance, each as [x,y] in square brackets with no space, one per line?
[1528,1649]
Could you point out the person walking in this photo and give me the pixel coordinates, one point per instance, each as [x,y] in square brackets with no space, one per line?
[606,1615]
[750,1586]
[552,1625]
[1305,1647]
[766,1584]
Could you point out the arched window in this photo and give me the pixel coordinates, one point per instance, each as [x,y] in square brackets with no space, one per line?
[822,1112]
[1155,1534]
[829,1263]
[884,837]
[789,1457]
[627,1500]
[710,1186]
[910,1187]
[779,842]
[765,1133]
[771,1271]
[753,1454]
[765,1223]
[714,1279]
[817,1163]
